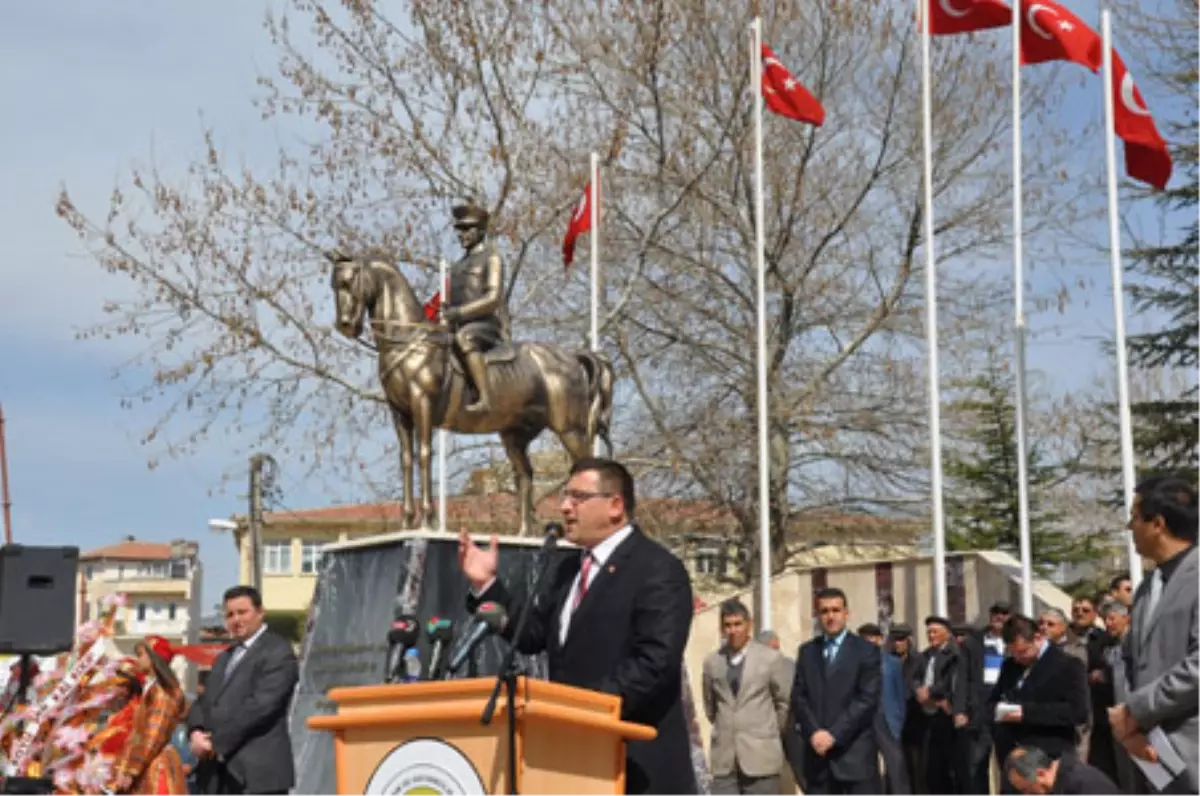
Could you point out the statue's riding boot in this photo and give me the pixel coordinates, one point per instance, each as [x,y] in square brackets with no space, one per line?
[477,367]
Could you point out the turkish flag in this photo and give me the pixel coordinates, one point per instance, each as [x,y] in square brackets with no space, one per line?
[1146,155]
[947,17]
[433,307]
[1050,32]
[581,222]
[784,94]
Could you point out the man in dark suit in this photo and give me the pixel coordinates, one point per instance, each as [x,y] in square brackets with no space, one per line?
[615,618]
[1041,696]
[973,740]
[943,694]
[912,736]
[238,727]
[835,699]
[1030,770]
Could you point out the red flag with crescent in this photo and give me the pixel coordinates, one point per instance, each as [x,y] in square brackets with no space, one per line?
[581,222]
[785,95]
[1146,155]
[947,17]
[1050,32]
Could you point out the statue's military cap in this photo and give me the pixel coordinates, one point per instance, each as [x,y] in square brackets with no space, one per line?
[468,216]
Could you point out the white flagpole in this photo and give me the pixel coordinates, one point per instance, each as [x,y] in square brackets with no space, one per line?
[443,435]
[594,240]
[1118,293]
[931,326]
[1019,330]
[764,481]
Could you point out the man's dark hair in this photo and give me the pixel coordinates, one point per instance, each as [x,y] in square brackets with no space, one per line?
[1173,499]
[832,593]
[870,629]
[735,607]
[1018,626]
[1084,598]
[1118,580]
[243,591]
[613,478]
[1026,761]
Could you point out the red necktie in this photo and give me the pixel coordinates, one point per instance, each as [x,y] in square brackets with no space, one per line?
[584,571]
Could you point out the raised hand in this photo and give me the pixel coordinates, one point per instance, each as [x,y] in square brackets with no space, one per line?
[477,564]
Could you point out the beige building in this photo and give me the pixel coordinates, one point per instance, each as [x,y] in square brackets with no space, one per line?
[161,583]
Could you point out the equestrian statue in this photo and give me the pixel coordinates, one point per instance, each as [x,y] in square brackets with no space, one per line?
[465,374]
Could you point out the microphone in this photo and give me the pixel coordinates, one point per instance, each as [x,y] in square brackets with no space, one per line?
[489,618]
[403,636]
[440,633]
[554,532]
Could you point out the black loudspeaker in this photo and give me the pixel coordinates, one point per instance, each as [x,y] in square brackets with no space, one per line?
[28,785]
[37,599]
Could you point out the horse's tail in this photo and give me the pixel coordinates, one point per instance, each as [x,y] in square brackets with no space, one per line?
[600,396]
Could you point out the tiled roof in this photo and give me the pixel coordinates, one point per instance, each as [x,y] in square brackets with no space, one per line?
[131,551]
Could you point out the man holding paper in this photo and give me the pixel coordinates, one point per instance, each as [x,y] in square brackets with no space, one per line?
[1041,695]
[1157,722]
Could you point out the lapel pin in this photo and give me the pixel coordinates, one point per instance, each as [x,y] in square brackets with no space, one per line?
[612,568]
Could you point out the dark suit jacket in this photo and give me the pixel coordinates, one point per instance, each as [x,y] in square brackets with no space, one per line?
[248,718]
[843,699]
[1054,700]
[626,638]
[1076,777]
[950,682]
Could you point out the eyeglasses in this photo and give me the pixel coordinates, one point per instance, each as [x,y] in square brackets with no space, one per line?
[582,495]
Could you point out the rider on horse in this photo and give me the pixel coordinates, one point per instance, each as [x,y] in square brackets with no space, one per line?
[475,310]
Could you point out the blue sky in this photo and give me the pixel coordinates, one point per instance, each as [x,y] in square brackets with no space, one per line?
[92,88]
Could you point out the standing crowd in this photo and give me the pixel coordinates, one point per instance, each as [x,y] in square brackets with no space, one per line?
[1102,701]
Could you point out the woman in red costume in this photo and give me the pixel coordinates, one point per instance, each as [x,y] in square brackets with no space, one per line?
[149,763]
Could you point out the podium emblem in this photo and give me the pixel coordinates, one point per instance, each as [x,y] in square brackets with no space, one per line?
[426,767]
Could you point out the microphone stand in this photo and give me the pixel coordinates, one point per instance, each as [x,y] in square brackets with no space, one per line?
[507,674]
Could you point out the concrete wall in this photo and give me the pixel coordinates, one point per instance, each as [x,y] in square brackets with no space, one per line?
[987,577]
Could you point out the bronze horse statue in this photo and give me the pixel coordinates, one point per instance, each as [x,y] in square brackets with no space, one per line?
[536,386]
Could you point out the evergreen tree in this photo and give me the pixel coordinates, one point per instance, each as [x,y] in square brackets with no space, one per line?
[1163,276]
[982,499]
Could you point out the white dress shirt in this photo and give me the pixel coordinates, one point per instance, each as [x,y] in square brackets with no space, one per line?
[241,649]
[600,555]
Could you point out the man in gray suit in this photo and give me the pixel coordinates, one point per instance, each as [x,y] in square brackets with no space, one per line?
[238,728]
[1162,640]
[746,697]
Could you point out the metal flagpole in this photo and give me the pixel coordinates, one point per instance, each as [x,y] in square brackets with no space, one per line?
[594,240]
[764,481]
[1118,292]
[443,435]
[931,327]
[1019,329]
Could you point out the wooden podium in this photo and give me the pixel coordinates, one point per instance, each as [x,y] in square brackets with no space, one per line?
[428,738]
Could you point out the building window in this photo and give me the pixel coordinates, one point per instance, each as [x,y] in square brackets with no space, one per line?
[709,561]
[178,569]
[120,571]
[171,611]
[88,572]
[87,611]
[277,558]
[956,590]
[310,557]
[153,569]
[141,612]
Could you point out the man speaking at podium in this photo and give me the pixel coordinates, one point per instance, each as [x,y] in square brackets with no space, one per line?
[614,619]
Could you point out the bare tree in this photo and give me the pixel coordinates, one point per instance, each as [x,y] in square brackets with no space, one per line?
[500,100]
